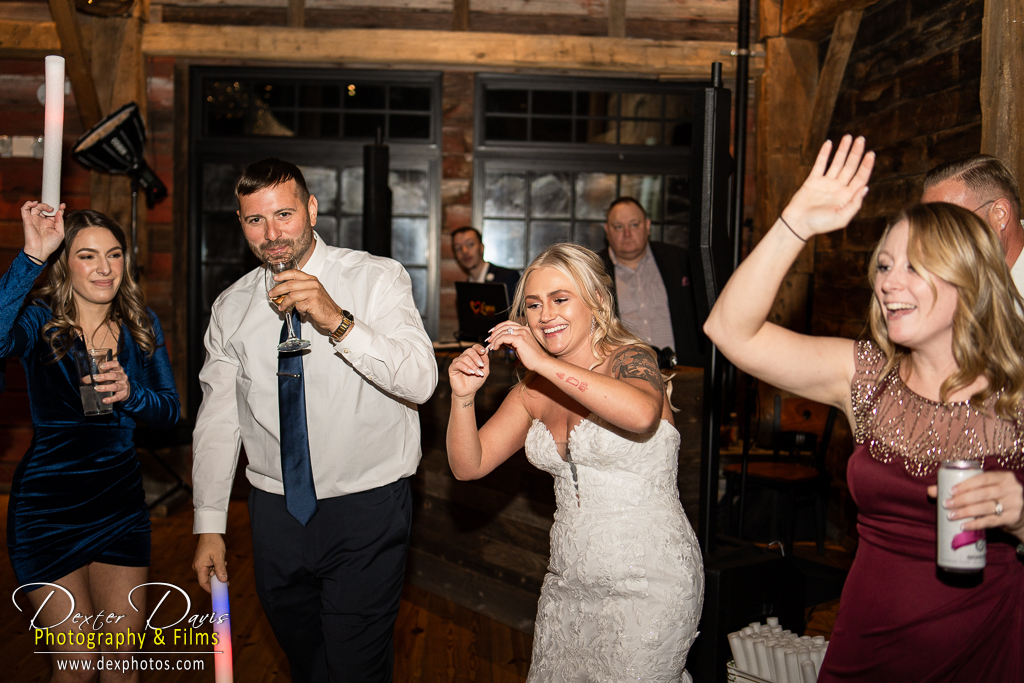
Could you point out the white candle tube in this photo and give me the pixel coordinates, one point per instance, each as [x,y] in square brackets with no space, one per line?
[748,648]
[764,669]
[738,655]
[808,673]
[779,657]
[53,131]
[818,640]
[772,621]
[817,654]
[792,667]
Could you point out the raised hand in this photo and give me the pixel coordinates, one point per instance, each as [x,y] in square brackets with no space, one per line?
[468,372]
[43,234]
[833,193]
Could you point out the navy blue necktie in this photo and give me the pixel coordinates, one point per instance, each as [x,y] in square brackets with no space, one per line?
[296,469]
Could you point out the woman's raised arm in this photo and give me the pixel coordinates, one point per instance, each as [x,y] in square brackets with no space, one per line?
[819,368]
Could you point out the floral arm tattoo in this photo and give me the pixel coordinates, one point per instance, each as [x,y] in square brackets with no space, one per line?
[637,363]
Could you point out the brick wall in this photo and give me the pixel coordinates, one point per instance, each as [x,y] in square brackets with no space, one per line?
[912,89]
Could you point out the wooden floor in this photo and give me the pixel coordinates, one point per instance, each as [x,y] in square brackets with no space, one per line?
[435,639]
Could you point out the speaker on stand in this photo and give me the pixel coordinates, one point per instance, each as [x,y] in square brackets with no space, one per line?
[743,583]
[376,199]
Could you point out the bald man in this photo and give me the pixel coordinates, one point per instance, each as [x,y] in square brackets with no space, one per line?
[983,184]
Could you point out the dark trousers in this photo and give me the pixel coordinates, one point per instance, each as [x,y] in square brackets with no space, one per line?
[331,589]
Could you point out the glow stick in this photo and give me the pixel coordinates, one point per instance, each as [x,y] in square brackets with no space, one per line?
[53,131]
[222,666]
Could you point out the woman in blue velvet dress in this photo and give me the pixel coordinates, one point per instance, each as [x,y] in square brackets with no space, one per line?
[77,515]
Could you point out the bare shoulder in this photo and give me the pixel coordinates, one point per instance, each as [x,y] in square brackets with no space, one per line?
[636,362]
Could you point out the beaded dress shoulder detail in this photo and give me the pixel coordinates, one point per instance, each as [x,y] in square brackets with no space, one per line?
[895,422]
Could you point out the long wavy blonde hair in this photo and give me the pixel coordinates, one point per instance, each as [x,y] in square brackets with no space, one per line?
[586,270]
[127,308]
[953,244]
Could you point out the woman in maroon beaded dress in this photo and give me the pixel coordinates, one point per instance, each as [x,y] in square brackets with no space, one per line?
[941,378]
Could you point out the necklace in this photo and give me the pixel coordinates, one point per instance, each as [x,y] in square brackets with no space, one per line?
[106,335]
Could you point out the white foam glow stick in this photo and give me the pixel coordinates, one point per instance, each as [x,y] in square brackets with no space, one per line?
[222,666]
[53,131]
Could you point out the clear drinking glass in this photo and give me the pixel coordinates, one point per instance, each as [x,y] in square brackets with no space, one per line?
[292,343]
[88,362]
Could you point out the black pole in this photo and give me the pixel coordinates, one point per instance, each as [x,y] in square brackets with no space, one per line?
[376,199]
[742,74]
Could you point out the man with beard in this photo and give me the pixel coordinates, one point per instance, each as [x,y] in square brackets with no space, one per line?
[468,248]
[329,458]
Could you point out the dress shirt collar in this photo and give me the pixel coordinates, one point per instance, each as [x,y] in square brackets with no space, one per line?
[315,264]
[646,258]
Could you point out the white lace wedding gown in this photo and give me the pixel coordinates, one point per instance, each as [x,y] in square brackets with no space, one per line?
[625,583]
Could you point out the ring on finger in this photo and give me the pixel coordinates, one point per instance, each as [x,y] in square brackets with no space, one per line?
[999,508]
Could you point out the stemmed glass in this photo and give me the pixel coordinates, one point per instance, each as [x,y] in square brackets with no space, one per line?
[292,343]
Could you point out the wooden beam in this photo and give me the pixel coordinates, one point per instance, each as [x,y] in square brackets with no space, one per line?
[616,18]
[785,96]
[829,81]
[296,13]
[77,61]
[1002,72]
[769,19]
[473,50]
[460,15]
[814,19]
[28,39]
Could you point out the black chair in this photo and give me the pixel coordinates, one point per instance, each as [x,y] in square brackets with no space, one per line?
[798,479]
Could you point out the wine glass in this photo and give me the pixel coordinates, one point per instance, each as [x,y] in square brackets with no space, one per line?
[292,343]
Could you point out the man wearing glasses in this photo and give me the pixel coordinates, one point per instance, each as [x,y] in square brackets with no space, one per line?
[652,285]
[984,185]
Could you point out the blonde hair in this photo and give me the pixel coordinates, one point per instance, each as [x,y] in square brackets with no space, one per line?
[593,284]
[127,307]
[953,244]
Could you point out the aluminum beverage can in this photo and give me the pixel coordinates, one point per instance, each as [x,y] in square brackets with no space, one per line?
[958,551]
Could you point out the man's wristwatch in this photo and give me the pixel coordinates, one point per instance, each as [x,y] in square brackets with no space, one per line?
[346,322]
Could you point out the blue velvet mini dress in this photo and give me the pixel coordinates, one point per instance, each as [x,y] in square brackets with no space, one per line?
[77,493]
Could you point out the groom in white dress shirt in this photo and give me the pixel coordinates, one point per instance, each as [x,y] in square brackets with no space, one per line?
[330,580]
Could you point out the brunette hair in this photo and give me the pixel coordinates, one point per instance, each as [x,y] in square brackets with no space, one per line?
[127,307]
[951,243]
[270,172]
[625,200]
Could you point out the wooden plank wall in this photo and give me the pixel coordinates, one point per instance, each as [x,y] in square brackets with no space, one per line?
[912,88]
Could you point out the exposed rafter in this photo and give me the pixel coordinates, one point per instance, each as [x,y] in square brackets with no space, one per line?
[477,50]
[829,81]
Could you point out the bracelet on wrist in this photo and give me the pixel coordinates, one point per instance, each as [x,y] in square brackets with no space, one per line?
[795,233]
[33,259]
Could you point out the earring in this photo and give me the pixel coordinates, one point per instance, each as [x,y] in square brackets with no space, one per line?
[593,325]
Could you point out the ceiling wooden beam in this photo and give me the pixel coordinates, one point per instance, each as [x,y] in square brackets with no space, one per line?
[616,18]
[829,81]
[296,13]
[691,59]
[76,61]
[1002,72]
[28,39]
[814,19]
[460,15]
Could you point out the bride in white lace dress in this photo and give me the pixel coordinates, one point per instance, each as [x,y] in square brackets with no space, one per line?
[624,588]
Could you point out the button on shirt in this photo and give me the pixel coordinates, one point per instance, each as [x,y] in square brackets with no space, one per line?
[361,395]
[643,301]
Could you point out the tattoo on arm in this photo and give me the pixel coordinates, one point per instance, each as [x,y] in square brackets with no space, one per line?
[572,381]
[468,404]
[637,363]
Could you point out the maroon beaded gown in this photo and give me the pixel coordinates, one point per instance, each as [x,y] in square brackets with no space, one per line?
[898,619]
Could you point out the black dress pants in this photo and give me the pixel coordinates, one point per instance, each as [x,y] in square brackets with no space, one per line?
[331,589]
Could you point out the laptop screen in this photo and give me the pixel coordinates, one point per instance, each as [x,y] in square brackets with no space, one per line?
[480,306]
